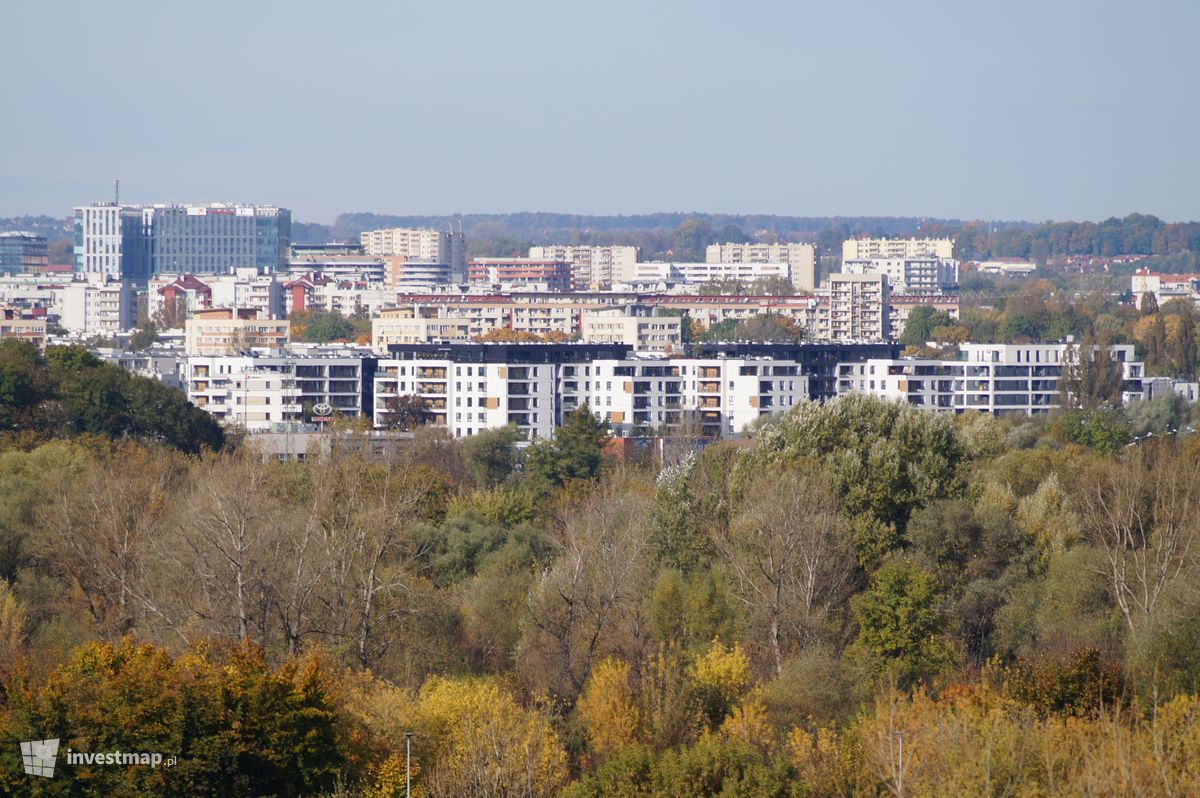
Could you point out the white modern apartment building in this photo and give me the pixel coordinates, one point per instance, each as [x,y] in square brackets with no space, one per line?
[424,245]
[801,259]
[534,387]
[593,267]
[1003,379]
[256,393]
[916,275]
[99,307]
[699,273]
[864,248]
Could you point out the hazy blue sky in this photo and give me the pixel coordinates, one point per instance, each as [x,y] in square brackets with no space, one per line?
[1029,109]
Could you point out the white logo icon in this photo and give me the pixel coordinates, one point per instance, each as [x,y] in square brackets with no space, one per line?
[38,757]
[322,409]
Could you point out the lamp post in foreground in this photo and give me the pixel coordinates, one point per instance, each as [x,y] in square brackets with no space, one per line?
[408,764]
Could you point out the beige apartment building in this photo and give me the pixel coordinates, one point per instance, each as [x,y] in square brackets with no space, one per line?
[856,308]
[802,258]
[15,325]
[421,245]
[416,325]
[228,331]
[639,326]
[594,268]
[867,248]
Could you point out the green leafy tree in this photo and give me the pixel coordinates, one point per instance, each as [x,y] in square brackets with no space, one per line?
[772,286]
[575,452]
[884,460]
[405,412]
[323,328]
[1091,376]
[900,624]
[145,337]
[921,323]
[491,455]
[22,380]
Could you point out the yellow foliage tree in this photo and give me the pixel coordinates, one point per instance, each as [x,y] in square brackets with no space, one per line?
[720,678]
[13,627]
[747,725]
[608,710]
[477,740]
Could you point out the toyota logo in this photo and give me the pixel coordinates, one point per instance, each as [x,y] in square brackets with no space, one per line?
[322,409]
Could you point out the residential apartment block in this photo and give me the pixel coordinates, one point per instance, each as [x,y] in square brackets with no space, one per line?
[700,273]
[901,305]
[259,393]
[99,307]
[546,312]
[473,388]
[423,245]
[640,326]
[333,295]
[23,324]
[519,274]
[801,259]
[1003,379]
[856,308]
[249,287]
[865,248]
[910,275]
[231,331]
[593,267]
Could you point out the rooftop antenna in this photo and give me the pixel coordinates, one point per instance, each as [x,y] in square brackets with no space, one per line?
[116,192]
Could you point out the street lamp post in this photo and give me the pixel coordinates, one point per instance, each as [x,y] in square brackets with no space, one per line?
[408,764]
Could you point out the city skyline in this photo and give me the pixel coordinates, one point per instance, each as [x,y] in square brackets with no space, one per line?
[1045,111]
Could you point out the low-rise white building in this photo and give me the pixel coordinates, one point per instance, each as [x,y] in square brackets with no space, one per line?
[1001,379]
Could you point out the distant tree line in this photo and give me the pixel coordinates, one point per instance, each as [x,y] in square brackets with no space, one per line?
[1136,234]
